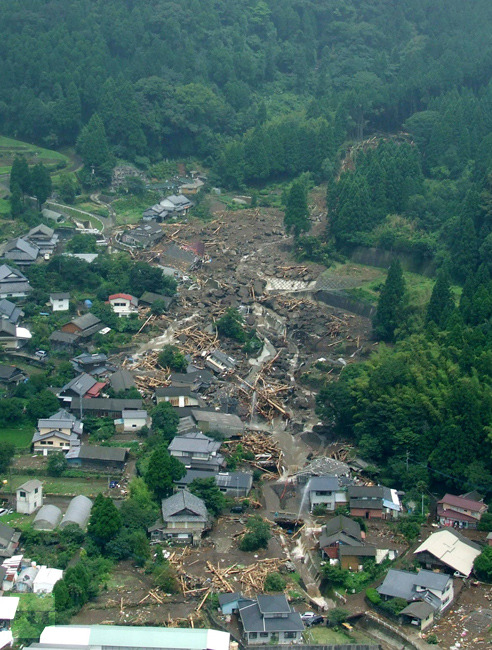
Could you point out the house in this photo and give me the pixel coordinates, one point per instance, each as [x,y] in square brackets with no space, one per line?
[128,637]
[418,613]
[322,466]
[373,502]
[20,251]
[145,235]
[123,304]
[434,589]
[104,407]
[352,558]
[93,364]
[270,620]
[10,311]
[44,238]
[11,375]
[197,451]
[176,205]
[94,457]
[83,326]
[220,362]
[227,424]
[156,213]
[176,396]
[13,284]
[9,540]
[60,301]
[328,491]
[460,511]
[46,579]
[8,610]
[60,432]
[337,532]
[149,298]
[63,341]
[29,497]
[229,603]
[132,421]
[184,518]
[234,484]
[13,337]
[193,187]
[122,380]
[84,385]
[48,518]
[489,539]
[448,551]
[57,217]
[195,380]
[78,512]
[83,257]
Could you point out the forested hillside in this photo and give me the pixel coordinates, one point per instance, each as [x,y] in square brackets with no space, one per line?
[387,103]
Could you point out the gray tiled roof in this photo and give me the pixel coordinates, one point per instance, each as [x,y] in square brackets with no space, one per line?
[10,310]
[104,404]
[6,271]
[418,609]
[360,551]
[273,604]
[86,321]
[122,380]
[183,506]
[253,621]
[194,442]
[79,385]
[403,584]
[173,391]
[30,486]
[323,484]
[93,452]
[237,480]
[361,491]
[61,295]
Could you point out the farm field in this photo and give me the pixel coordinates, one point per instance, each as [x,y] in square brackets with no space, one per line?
[9,148]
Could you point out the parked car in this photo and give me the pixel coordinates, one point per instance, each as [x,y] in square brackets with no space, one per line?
[315,620]
[307,616]
[3,511]
[238,509]
[41,354]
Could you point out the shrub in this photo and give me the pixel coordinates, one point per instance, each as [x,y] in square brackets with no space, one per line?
[483,565]
[393,606]
[57,464]
[373,596]
[319,510]
[274,582]
[257,536]
[432,639]
[337,615]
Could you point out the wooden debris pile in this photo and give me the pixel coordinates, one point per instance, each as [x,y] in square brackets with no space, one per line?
[265,394]
[194,341]
[152,375]
[266,451]
[252,579]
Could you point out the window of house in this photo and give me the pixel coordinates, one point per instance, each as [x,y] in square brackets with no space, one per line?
[50,442]
[36,490]
[264,635]
[290,635]
[22,494]
[253,635]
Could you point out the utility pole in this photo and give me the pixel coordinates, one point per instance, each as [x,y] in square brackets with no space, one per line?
[408,456]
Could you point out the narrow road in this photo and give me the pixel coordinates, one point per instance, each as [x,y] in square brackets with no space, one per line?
[70,208]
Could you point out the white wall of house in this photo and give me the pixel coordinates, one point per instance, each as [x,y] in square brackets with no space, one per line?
[282,638]
[122,307]
[60,305]
[133,424]
[28,502]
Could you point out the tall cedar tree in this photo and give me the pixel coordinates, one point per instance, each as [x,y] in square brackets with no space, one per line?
[441,303]
[389,314]
[20,175]
[105,521]
[296,218]
[94,148]
[40,183]
[163,470]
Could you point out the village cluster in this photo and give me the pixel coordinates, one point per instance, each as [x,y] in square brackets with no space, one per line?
[324,508]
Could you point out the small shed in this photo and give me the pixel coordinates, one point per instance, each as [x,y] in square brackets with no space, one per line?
[78,512]
[229,603]
[8,609]
[47,518]
[60,301]
[29,497]
[46,579]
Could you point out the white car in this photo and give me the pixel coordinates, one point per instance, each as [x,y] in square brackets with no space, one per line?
[307,616]
[3,511]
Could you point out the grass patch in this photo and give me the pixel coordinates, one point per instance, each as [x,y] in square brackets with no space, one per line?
[19,436]
[4,207]
[129,208]
[322,635]
[89,487]
[78,215]
[9,148]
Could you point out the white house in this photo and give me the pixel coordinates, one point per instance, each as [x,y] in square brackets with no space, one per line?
[123,304]
[29,497]
[328,491]
[132,420]
[60,301]
[46,579]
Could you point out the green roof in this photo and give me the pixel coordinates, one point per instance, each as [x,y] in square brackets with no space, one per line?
[149,637]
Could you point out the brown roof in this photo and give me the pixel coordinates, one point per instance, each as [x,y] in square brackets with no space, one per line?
[461,502]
